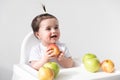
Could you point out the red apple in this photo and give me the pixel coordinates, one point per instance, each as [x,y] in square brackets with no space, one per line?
[55,49]
[45,73]
[107,66]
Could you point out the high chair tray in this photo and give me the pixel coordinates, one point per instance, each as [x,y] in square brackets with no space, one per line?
[25,72]
[81,74]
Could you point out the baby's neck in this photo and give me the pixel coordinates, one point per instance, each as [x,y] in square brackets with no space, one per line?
[46,45]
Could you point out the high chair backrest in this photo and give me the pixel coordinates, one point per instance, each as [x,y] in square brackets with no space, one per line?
[29,41]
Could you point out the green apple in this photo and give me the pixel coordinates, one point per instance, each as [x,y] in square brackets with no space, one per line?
[92,64]
[54,66]
[88,56]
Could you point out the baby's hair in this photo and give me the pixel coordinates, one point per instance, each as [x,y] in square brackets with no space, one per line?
[37,20]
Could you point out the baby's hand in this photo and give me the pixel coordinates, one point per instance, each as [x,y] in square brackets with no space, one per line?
[61,56]
[48,54]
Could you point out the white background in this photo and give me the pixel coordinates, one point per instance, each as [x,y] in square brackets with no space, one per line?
[86,26]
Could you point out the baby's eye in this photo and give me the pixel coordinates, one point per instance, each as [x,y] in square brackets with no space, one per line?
[48,28]
[56,27]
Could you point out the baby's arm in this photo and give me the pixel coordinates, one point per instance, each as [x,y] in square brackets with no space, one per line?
[36,64]
[66,62]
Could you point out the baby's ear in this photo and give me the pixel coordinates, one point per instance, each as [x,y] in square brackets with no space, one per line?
[37,35]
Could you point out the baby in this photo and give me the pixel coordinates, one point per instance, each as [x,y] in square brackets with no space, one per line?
[46,29]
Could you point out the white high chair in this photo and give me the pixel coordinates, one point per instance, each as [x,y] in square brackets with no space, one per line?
[29,41]
[23,71]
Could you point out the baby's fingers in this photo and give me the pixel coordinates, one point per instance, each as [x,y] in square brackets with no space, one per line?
[49,52]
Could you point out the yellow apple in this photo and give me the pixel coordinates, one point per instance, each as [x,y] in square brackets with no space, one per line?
[45,73]
[107,66]
[54,66]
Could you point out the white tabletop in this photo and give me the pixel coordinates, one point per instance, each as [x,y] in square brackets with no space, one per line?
[75,73]
[81,74]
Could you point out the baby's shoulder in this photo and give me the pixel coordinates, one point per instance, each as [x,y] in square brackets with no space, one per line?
[61,44]
[36,46]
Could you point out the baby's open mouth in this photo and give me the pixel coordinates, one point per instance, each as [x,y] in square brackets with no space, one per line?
[53,36]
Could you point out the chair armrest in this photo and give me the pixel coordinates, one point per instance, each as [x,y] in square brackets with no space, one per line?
[24,71]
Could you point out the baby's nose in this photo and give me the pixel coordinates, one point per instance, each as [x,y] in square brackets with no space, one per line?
[53,30]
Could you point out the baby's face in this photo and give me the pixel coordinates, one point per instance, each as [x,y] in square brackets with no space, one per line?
[49,31]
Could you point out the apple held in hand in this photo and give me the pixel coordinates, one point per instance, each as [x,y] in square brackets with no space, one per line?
[45,74]
[54,66]
[55,49]
[92,65]
[88,56]
[107,66]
